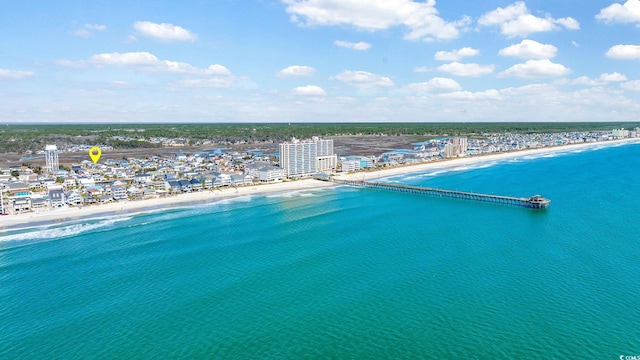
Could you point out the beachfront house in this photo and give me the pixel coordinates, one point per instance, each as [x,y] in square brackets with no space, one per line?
[39,204]
[19,204]
[56,197]
[172,185]
[185,185]
[118,192]
[73,198]
[241,180]
[271,173]
[196,184]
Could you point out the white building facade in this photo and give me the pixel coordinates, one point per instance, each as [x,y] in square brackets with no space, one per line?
[307,157]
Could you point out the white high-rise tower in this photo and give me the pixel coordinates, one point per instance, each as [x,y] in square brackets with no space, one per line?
[307,157]
[51,156]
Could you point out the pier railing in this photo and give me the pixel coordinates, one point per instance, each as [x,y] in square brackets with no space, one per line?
[534,202]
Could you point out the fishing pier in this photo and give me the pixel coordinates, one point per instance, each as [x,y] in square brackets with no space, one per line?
[533,202]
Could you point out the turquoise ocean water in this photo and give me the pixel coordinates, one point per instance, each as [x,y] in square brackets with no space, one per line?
[346,273]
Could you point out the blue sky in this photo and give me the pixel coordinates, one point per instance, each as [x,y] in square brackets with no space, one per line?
[319,60]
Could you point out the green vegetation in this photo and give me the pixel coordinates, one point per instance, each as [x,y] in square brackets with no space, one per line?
[23,138]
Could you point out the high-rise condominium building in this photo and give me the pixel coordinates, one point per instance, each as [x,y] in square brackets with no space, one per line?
[51,157]
[455,147]
[307,157]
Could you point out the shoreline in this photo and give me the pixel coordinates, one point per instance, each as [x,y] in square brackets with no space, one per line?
[29,220]
[469,160]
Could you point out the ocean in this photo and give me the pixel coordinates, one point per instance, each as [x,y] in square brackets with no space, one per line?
[345,272]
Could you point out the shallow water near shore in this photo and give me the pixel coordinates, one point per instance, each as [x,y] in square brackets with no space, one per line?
[344,272]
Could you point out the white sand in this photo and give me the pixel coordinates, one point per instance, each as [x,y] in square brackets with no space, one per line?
[124,207]
[65,214]
[407,169]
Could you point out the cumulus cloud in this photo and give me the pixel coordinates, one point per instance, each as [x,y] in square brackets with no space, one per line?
[309,90]
[88,29]
[364,80]
[530,49]
[164,31]
[15,74]
[603,79]
[613,77]
[629,12]
[472,70]
[490,94]
[631,85]
[437,84]
[515,20]
[624,52]
[296,71]
[456,55]
[536,69]
[148,62]
[421,18]
[361,45]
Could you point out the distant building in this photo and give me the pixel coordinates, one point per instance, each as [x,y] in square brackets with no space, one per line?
[51,158]
[350,165]
[455,147]
[620,133]
[307,157]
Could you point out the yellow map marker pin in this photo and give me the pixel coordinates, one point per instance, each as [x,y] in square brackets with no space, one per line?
[95,153]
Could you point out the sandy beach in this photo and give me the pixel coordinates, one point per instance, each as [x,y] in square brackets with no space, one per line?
[210,196]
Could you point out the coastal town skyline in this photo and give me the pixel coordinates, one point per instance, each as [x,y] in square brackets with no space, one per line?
[318,61]
[52,186]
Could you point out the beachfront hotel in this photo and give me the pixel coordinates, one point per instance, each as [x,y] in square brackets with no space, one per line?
[455,147]
[300,158]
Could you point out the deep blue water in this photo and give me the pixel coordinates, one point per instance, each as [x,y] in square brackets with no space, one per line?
[346,273]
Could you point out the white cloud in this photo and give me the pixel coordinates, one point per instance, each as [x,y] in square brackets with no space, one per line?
[145,61]
[490,94]
[15,74]
[421,69]
[309,90]
[614,77]
[602,80]
[631,85]
[471,69]
[536,69]
[361,45]
[455,55]
[624,52]
[629,12]
[96,27]
[164,31]
[214,82]
[364,80]
[515,20]
[87,30]
[80,64]
[502,15]
[569,23]
[436,84]
[530,49]
[296,71]
[421,18]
